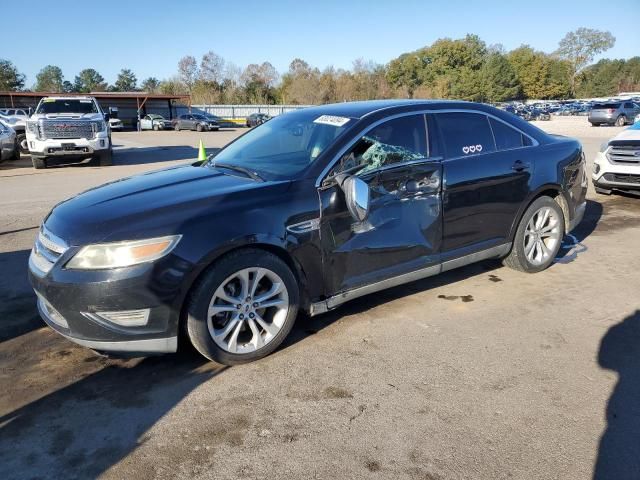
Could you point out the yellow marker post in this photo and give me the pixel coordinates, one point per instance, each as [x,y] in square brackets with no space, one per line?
[202,153]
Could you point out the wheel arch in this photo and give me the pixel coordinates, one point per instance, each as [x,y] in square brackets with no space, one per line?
[549,190]
[266,244]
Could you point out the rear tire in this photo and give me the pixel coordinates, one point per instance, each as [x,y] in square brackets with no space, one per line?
[177,127]
[538,237]
[21,139]
[39,163]
[222,281]
[16,153]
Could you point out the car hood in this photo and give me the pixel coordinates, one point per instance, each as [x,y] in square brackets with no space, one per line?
[154,204]
[631,133]
[68,116]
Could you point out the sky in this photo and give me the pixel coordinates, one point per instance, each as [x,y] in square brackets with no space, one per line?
[149,37]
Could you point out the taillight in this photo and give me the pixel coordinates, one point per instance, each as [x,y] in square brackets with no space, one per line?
[610,110]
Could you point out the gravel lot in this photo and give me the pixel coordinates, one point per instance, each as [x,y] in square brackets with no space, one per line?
[482,372]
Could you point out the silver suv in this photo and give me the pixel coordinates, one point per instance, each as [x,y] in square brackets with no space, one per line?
[618,113]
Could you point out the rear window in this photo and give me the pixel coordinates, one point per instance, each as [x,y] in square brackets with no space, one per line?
[465,134]
[601,106]
[507,137]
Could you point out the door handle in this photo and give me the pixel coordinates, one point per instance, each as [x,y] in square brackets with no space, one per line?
[519,166]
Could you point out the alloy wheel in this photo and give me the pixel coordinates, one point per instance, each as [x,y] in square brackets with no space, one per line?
[542,236]
[248,310]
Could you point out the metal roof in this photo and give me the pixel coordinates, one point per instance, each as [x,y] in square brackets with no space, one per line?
[118,95]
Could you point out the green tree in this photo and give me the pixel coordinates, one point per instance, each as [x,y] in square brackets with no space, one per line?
[150,85]
[499,80]
[126,81]
[49,79]
[10,78]
[89,80]
[540,75]
[68,87]
[609,77]
[580,47]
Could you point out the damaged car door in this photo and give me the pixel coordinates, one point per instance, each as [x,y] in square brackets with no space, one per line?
[397,162]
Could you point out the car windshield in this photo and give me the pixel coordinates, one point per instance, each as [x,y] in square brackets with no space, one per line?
[156,117]
[285,145]
[67,106]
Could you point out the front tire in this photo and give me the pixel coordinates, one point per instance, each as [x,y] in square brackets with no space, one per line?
[538,237]
[39,163]
[621,121]
[243,307]
[198,128]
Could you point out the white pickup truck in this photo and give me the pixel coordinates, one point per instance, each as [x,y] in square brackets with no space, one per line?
[72,128]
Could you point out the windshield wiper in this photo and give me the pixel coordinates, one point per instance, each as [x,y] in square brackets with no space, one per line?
[237,168]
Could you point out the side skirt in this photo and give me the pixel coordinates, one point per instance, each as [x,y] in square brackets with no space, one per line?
[343,297]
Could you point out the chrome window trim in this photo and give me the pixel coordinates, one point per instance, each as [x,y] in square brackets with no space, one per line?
[325,171]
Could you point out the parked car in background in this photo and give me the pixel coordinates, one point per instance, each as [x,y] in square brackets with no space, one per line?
[617,165]
[613,113]
[195,121]
[256,119]
[312,209]
[19,125]
[153,121]
[8,144]
[222,123]
[116,124]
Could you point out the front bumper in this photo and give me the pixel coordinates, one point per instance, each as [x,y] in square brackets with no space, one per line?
[74,303]
[73,147]
[609,176]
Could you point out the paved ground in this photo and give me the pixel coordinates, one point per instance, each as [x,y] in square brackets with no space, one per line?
[482,372]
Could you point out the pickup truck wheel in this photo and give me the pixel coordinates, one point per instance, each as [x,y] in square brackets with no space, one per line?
[105,159]
[621,121]
[21,138]
[243,307]
[538,238]
[39,163]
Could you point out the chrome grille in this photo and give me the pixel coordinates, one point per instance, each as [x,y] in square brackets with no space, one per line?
[47,250]
[61,129]
[624,154]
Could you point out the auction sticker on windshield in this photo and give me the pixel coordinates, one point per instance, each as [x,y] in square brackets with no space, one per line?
[332,120]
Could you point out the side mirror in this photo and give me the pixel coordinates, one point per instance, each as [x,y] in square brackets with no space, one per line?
[106,117]
[357,195]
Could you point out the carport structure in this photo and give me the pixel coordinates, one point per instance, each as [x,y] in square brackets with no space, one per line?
[129,105]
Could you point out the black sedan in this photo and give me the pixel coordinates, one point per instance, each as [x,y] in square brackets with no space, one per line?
[303,213]
[195,121]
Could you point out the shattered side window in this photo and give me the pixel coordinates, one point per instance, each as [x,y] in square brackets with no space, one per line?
[397,141]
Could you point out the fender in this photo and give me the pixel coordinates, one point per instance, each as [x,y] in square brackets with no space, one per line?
[548,188]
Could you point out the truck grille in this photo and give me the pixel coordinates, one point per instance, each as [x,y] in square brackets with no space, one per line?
[624,154]
[47,250]
[61,129]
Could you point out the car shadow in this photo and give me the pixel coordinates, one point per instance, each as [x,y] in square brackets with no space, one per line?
[306,326]
[83,429]
[619,449]
[18,312]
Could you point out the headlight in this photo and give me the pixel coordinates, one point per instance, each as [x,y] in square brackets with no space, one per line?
[123,254]
[32,127]
[604,146]
[100,126]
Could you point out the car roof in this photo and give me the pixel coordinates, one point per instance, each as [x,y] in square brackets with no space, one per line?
[363,108]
